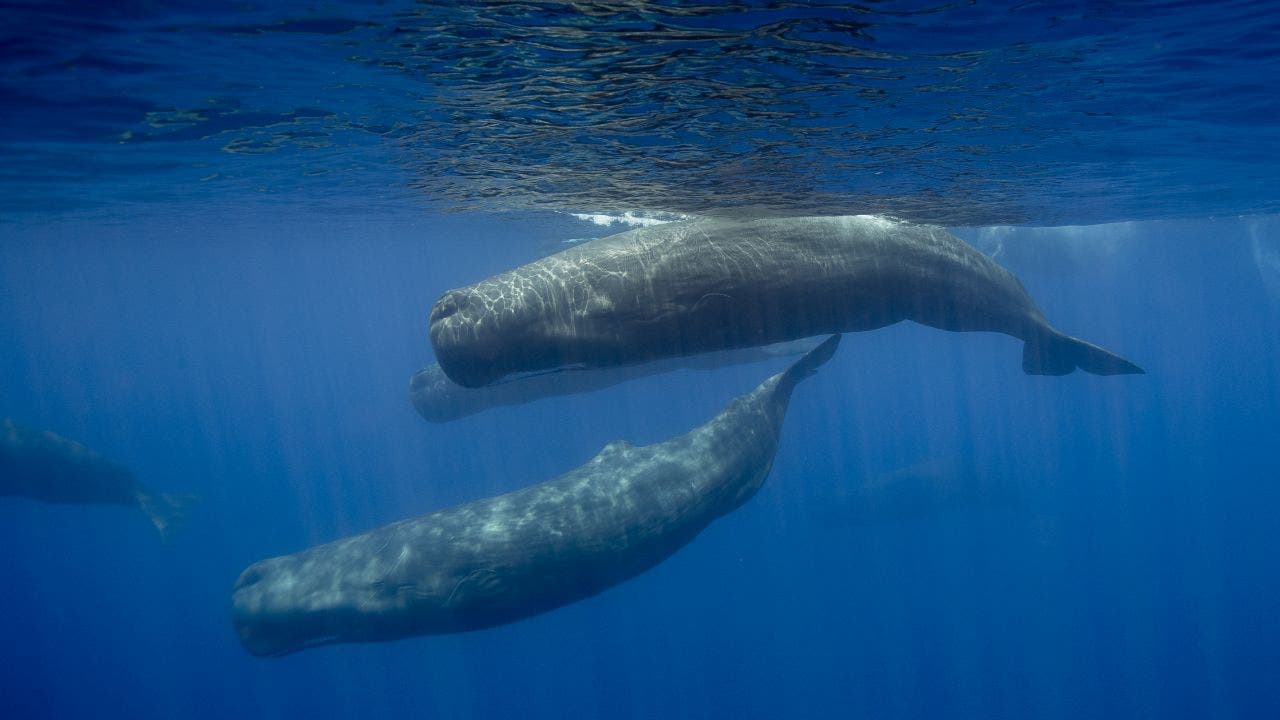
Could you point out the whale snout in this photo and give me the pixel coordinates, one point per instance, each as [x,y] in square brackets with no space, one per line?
[271,615]
[467,339]
[482,334]
[250,601]
[449,305]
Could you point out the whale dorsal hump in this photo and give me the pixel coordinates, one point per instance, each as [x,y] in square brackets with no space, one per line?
[612,450]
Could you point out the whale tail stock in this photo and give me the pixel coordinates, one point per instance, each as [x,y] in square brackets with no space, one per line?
[167,512]
[807,365]
[1050,352]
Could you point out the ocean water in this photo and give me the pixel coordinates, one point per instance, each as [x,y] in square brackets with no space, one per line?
[222,227]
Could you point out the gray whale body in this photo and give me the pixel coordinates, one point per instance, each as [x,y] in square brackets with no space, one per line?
[508,557]
[439,399]
[48,467]
[714,284]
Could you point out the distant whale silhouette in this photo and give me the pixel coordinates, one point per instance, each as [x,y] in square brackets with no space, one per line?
[714,284]
[48,467]
[439,399]
[508,557]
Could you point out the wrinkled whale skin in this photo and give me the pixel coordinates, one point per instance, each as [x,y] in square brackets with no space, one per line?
[714,284]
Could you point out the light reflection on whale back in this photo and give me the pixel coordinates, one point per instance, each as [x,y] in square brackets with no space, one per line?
[712,284]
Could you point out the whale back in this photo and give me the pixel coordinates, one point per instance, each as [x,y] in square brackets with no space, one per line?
[507,557]
[717,284]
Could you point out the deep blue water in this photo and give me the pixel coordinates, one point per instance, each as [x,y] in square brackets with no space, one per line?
[222,228]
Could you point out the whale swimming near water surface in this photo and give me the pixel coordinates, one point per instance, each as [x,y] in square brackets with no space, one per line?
[508,557]
[715,284]
[49,467]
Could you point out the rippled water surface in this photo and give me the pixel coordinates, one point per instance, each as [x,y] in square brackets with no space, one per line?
[960,113]
[223,226]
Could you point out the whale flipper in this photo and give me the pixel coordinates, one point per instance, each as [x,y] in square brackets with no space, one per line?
[167,512]
[1053,353]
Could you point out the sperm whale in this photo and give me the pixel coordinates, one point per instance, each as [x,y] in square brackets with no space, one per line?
[505,558]
[715,284]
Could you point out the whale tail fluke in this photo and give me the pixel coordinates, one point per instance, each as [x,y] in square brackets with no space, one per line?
[808,365]
[1053,353]
[168,513]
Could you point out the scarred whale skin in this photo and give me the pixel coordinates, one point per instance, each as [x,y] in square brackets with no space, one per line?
[45,466]
[508,557]
[714,284]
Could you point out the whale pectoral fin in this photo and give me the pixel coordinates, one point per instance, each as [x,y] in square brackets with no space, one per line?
[1057,354]
[479,587]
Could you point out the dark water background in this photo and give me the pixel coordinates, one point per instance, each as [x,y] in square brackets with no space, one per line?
[221,228]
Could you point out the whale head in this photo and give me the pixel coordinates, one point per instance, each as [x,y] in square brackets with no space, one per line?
[328,594]
[277,610]
[501,326]
[437,398]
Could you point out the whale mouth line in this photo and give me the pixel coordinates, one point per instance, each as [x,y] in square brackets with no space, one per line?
[305,645]
[530,374]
